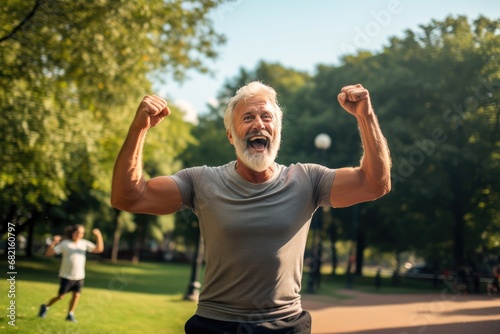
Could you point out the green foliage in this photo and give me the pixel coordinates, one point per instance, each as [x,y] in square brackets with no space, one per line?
[71,76]
[436,93]
[445,134]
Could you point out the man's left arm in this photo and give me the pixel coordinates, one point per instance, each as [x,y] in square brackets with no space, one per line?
[99,248]
[372,179]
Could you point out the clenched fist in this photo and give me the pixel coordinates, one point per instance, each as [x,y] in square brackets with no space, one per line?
[355,99]
[151,111]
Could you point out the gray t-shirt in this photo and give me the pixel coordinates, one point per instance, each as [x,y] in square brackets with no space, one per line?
[254,236]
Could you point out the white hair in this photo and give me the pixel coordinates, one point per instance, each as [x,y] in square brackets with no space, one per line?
[253,89]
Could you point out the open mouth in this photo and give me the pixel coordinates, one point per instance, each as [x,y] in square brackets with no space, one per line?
[258,142]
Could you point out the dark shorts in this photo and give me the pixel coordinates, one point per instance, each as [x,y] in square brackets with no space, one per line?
[300,324]
[67,285]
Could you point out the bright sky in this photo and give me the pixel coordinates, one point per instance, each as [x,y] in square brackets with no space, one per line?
[304,33]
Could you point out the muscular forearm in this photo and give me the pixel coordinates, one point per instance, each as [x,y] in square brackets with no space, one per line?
[376,161]
[128,184]
[128,181]
[372,179]
[130,191]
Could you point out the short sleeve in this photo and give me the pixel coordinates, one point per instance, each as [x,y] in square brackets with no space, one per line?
[90,246]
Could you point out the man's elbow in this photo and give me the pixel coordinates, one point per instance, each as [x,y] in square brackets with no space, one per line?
[377,187]
[114,200]
[116,204]
[120,203]
[382,188]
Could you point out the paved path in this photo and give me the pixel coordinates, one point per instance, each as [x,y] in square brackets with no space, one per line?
[439,313]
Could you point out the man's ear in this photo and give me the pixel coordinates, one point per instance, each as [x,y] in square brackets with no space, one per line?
[230,137]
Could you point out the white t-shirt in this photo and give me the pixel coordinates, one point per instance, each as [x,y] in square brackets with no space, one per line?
[73,258]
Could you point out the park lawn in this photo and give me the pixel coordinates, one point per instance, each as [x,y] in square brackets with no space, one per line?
[117,298]
[128,298]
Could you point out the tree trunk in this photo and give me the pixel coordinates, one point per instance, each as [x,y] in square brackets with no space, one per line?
[460,199]
[459,234]
[31,238]
[138,243]
[333,241]
[20,226]
[360,248]
[116,236]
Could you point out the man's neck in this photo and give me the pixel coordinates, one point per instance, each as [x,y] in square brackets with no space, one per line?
[252,176]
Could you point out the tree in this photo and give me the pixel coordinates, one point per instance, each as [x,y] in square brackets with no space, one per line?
[436,93]
[70,69]
[444,166]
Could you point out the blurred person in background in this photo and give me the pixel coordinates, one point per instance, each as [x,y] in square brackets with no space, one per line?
[72,270]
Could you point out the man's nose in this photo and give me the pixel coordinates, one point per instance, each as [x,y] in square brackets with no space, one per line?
[258,123]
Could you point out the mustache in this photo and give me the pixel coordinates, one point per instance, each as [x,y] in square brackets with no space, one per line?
[258,133]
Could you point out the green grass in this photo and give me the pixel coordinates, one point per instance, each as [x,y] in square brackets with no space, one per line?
[127,298]
[117,298]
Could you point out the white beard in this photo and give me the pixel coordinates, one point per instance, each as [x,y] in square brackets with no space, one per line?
[258,162]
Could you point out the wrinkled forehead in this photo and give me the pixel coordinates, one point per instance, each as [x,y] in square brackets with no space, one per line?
[254,103]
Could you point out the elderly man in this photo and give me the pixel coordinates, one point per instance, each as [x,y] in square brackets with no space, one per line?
[254,213]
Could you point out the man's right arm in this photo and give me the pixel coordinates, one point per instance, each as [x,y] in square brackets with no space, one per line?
[130,191]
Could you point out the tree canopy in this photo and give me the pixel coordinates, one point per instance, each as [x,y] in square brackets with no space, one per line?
[71,76]
[436,93]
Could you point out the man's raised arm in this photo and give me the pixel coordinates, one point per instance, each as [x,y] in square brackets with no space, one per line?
[372,179]
[130,191]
